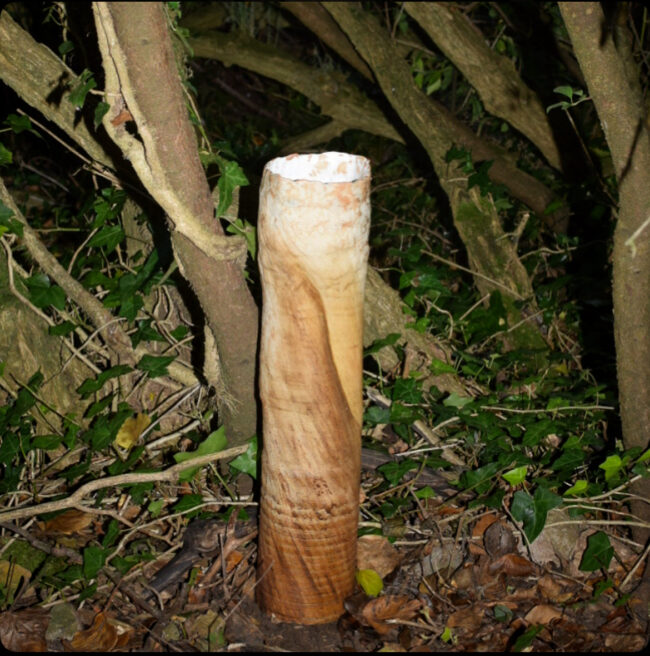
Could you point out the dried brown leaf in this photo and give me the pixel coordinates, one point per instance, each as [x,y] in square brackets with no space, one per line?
[24,630]
[543,614]
[104,634]
[390,607]
[377,553]
[512,565]
[468,619]
[71,522]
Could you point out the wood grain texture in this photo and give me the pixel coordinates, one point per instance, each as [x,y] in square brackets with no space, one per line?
[313,254]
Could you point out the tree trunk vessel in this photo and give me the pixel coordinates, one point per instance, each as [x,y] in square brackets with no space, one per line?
[313,228]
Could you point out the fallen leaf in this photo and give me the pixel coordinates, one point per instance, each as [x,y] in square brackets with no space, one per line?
[131,429]
[370,582]
[391,607]
[468,619]
[71,522]
[104,634]
[376,552]
[24,630]
[11,575]
[512,565]
[543,614]
[123,117]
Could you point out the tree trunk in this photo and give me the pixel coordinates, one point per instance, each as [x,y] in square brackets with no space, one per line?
[142,78]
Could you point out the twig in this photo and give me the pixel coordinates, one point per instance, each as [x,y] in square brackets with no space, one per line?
[170,474]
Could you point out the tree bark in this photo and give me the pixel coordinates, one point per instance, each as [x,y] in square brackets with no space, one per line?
[494,77]
[618,99]
[491,253]
[350,109]
[142,78]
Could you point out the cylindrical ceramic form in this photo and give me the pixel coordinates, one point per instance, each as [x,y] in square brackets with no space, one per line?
[314,219]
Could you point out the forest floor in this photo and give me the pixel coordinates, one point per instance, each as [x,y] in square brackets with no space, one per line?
[454,576]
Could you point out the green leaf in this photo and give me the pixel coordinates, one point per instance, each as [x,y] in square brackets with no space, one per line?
[645,456]
[91,385]
[179,332]
[407,390]
[213,443]
[612,466]
[100,112]
[20,124]
[42,293]
[565,91]
[480,478]
[155,366]
[155,507]
[526,639]
[146,333]
[64,328]
[7,221]
[598,553]
[578,488]
[47,442]
[502,613]
[425,493]
[187,502]
[532,511]
[516,476]
[379,344]
[111,533]
[439,367]
[247,462]
[394,471]
[6,156]
[66,47]
[370,582]
[456,401]
[94,559]
[108,238]
[78,93]
[232,177]
[375,415]
[538,431]
[401,414]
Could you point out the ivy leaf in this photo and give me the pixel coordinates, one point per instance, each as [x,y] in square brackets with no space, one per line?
[91,385]
[187,502]
[393,471]
[578,488]
[64,328]
[94,559]
[598,553]
[108,238]
[612,466]
[7,221]
[213,443]
[232,177]
[247,462]
[516,476]
[100,112]
[6,156]
[78,93]
[375,415]
[532,511]
[155,365]
[456,401]
[42,293]
[379,344]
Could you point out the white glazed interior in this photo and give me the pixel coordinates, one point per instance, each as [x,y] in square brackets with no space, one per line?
[321,167]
